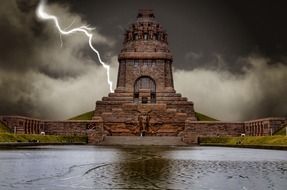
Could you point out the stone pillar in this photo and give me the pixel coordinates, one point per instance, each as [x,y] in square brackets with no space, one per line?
[95,131]
[189,136]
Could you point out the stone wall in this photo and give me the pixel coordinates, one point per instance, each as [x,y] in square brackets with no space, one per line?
[258,127]
[23,125]
[264,127]
[154,119]
[157,70]
[66,127]
[195,129]
[161,122]
[26,125]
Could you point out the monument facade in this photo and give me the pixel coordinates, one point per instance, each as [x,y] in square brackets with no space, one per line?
[145,101]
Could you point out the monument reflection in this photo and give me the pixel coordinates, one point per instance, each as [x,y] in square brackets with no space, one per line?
[137,168]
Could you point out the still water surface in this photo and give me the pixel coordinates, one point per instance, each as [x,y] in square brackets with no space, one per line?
[91,167]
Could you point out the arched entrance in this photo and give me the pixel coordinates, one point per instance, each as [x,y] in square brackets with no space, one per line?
[145,83]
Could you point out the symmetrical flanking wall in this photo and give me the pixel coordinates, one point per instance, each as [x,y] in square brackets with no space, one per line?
[26,125]
[23,125]
[190,130]
[193,129]
[263,127]
[259,127]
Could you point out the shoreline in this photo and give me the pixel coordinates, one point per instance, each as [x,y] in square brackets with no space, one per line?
[24,144]
[267,147]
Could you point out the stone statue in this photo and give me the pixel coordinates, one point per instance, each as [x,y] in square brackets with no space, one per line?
[143,123]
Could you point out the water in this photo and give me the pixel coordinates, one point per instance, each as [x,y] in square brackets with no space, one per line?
[91,167]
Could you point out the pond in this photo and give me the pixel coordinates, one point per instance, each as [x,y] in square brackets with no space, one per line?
[147,167]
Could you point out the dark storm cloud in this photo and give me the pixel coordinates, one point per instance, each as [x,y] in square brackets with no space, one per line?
[15,36]
[233,55]
[259,91]
[37,75]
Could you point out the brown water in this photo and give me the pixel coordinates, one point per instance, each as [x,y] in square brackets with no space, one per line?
[90,167]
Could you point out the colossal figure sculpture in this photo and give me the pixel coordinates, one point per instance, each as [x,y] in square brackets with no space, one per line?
[145,85]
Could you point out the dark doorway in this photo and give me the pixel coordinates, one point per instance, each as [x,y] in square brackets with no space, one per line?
[145,82]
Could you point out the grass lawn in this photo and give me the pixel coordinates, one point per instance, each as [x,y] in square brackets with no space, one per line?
[202,117]
[10,137]
[4,129]
[84,116]
[7,136]
[281,131]
[276,140]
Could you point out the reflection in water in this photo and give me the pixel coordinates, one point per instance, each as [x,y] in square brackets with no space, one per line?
[88,167]
[141,168]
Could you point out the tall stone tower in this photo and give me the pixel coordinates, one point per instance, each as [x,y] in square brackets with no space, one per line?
[145,101]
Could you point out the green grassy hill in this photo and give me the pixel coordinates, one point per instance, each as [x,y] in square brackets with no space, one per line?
[4,129]
[9,137]
[202,117]
[89,115]
[83,116]
[281,131]
[248,140]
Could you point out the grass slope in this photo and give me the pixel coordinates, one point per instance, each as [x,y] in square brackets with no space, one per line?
[4,129]
[281,131]
[9,137]
[89,115]
[84,116]
[202,117]
[250,140]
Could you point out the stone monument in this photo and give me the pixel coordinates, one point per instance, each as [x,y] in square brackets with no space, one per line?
[145,101]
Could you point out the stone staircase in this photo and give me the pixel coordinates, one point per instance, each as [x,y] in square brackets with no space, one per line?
[147,140]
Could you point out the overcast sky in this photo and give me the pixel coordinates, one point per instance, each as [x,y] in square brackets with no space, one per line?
[229,57]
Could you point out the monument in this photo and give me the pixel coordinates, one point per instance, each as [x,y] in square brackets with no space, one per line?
[145,101]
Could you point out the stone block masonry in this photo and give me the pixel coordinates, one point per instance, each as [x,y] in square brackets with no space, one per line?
[145,102]
[188,129]
[26,125]
[258,127]
[193,130]
[264,126]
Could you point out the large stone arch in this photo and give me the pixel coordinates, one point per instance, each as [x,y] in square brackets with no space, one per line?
[147,86]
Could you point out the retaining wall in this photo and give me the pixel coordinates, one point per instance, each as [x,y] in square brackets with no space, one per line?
[26,125]
[195,129]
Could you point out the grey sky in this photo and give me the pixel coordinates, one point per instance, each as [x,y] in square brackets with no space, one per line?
[229,58]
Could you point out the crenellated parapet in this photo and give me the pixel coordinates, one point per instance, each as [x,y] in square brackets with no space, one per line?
[145,39]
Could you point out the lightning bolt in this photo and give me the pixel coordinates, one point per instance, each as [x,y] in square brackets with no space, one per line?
[40,12]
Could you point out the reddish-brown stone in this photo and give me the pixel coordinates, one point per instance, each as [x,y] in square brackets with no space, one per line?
[145,101]
[25,125]
[145,85]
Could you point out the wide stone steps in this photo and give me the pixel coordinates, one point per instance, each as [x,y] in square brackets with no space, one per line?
[158,98]
[146,140]
[131,94]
